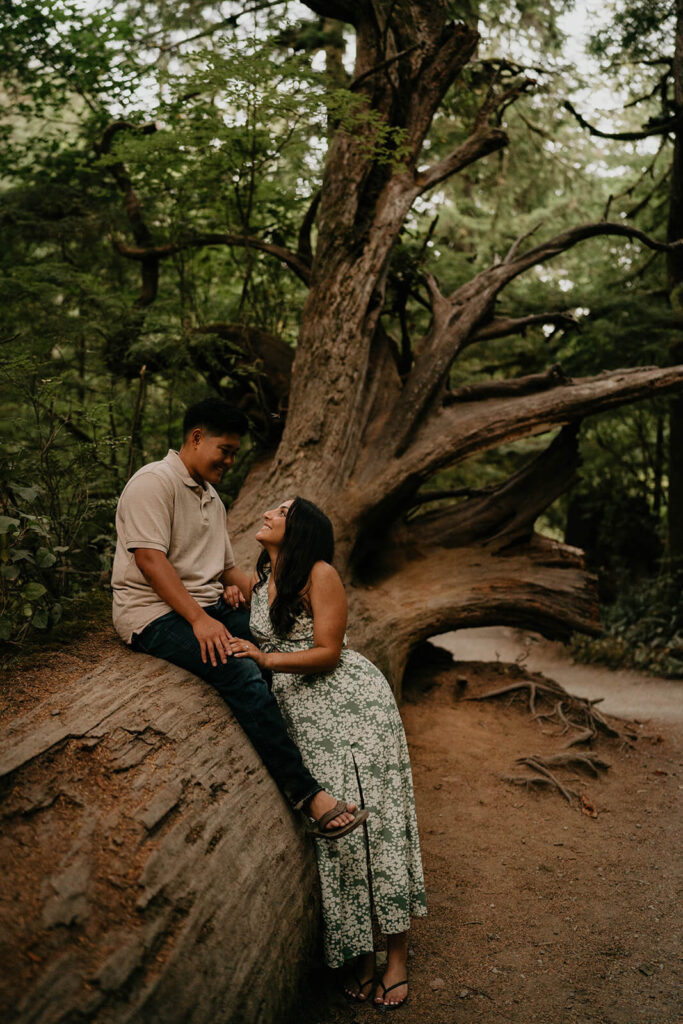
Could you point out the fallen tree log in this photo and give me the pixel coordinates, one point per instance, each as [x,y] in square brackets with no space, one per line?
[151,869]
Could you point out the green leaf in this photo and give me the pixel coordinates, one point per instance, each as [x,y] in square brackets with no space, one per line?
[23,555]
[33,591]
[7,523]
[40,619]
[9,572]
[27,493]
[5,629]
[45,558]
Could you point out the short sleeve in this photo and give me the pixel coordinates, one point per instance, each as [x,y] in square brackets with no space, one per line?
[147,513]
[229,555]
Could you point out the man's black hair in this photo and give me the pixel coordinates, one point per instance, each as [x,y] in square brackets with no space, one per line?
[216,417]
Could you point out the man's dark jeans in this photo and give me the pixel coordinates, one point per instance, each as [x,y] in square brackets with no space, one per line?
[242,687]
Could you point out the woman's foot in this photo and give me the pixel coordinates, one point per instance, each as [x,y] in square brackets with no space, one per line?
[322,802]
[360,977]
[392,991]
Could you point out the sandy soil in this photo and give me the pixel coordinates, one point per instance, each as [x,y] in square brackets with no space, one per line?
[538,913]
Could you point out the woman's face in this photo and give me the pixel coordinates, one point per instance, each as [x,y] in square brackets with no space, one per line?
[273,530]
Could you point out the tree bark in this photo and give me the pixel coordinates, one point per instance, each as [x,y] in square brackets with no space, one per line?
[151,869]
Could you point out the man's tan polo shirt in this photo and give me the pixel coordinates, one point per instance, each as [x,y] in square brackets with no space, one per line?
[163,508]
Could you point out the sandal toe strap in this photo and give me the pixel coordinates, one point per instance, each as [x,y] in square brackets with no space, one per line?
[328,816]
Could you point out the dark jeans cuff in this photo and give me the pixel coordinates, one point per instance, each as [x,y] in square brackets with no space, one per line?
[299,805]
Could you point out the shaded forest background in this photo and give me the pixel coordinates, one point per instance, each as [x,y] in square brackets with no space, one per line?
[133,125]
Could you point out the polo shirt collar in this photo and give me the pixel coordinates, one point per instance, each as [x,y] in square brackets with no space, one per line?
[175,463]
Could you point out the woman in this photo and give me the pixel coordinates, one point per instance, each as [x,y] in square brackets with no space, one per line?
[341,712]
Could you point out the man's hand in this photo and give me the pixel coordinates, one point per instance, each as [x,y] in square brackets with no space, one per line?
[233,596]
[214,639]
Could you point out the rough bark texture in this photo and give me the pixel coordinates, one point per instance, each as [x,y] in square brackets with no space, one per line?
[175,884]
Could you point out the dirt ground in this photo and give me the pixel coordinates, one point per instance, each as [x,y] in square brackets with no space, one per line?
[537,912]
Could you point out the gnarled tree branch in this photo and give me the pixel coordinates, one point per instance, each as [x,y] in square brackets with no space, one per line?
[471,307]
[465,428]
[526,385]
[501,327]
[664,127]
[286,256]
[502,515]
[479,144]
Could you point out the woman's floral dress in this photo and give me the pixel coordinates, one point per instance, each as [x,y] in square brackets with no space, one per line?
[348,729]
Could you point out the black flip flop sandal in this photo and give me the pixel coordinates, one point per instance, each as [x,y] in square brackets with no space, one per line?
[358,997]
[382,1007]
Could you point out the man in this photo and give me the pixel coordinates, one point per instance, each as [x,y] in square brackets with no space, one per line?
[177,592]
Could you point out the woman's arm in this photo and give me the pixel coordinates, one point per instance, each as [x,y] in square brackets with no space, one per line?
[236,585]
[328,607]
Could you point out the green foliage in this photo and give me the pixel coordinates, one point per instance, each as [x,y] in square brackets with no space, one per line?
[56,507]
[224,119]
[643,629]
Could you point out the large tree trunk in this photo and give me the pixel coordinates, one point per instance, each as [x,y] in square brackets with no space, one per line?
[363,435]
[151,870]
[371,419]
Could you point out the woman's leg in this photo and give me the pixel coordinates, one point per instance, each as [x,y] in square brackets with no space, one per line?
[360,976]
[396,972]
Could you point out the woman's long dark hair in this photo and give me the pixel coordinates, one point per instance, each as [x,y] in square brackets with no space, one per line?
[309,538]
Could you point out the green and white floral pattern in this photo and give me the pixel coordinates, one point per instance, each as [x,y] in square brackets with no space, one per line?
[351,737]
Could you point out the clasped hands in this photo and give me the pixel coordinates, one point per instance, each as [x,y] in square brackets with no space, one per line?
[216,642]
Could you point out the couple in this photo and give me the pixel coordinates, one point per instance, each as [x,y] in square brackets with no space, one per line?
[178,596]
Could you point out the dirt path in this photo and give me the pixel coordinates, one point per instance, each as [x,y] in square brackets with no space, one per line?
[538,913]
[625,693]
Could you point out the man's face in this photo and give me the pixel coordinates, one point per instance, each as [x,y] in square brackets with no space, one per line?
[213,454]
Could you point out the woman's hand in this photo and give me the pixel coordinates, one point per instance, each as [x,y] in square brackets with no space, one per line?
[245,649]
[233,596]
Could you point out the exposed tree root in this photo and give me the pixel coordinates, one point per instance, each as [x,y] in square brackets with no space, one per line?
[569,712]
[544,776]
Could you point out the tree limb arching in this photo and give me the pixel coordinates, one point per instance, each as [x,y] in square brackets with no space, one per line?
[286,256]
[525,385]
[457,431]
[658,128]
[499,516]
[501,327]
[458,317]
[480,144]
[541,582]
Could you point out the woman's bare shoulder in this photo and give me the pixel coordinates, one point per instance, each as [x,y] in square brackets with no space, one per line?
[323,574]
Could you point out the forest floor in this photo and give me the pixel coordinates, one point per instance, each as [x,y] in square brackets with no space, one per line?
[537,912]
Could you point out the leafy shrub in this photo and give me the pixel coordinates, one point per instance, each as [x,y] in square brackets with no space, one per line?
[643,629]
[29,566]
